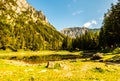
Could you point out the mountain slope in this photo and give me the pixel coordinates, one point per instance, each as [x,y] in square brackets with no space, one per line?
[76,31]
[23,27]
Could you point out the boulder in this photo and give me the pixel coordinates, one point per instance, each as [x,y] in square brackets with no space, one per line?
[53,65]
[97,56]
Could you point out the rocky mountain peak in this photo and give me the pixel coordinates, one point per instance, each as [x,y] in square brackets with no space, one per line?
[19,7]
[41,15]
[76,31]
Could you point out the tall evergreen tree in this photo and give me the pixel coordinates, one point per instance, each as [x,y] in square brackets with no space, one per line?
[110,31]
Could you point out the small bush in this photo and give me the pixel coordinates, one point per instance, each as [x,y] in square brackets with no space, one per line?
[116,51]
[97,56]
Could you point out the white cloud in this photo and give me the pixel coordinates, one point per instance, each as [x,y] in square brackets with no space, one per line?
[87,24]
[93,22]
[90,23]
[77,12]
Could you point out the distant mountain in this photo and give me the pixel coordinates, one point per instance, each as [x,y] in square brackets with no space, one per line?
[23,27]
[76,31]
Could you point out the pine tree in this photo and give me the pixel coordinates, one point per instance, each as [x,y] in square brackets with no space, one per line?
[110,31]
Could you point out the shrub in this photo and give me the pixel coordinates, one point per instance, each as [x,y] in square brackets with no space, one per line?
[116,51]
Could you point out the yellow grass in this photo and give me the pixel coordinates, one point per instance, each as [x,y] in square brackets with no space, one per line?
[79,70]
[72,71]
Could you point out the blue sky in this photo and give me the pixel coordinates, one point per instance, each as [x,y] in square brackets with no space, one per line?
[73,13]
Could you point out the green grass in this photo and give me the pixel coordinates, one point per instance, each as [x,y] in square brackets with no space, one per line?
[74,71]
[78,70]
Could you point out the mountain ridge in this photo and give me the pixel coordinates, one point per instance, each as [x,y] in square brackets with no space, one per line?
[23,27]
[77,31]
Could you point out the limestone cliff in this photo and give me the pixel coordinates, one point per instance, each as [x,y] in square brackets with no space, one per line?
[76,31]
[19,7]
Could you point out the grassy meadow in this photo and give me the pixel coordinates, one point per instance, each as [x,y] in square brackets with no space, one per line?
[14,66]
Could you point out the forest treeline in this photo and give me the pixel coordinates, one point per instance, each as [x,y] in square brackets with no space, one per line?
[108,37]
[39,35]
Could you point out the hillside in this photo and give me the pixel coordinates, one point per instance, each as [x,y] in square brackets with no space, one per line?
[23,27]
[76,31]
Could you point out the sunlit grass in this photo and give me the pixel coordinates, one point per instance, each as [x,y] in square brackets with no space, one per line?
[78,70]
[75,71]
